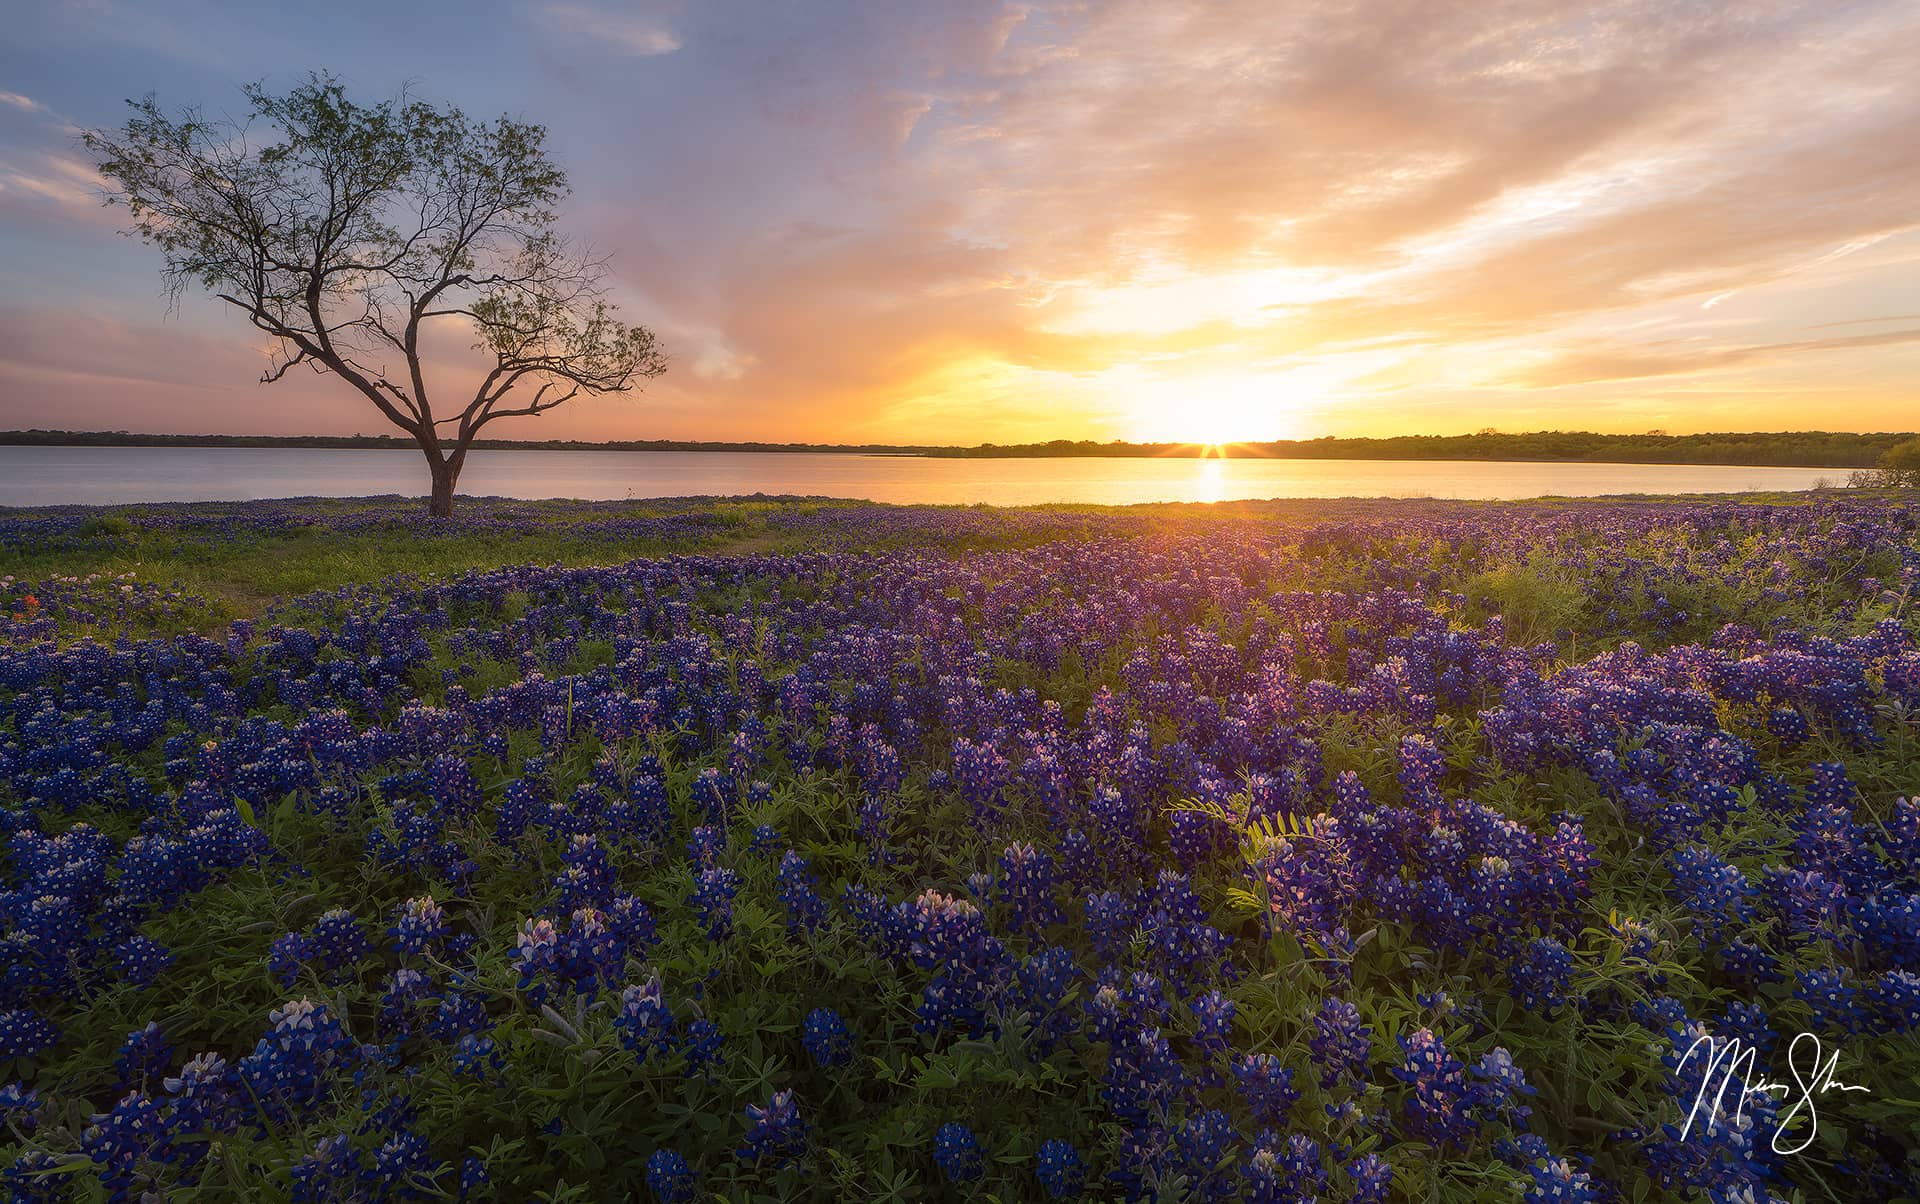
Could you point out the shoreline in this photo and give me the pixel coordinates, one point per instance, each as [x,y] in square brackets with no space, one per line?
[1840,451]
[932,456]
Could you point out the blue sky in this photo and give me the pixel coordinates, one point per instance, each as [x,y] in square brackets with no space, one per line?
[965,221]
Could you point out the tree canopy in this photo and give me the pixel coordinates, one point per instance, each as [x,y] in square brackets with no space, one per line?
[345,230]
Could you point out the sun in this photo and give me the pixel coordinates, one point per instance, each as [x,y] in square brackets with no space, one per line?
[1212,409]
[1225,420]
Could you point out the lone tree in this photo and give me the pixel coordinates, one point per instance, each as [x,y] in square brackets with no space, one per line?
[350,229]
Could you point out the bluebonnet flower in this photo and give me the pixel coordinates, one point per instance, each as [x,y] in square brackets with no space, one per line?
[338,940]
[473,1176]
[1501,1082]
[806,910]
[1143,1078]
[644,1021]
[1026,886]
[826,1038]
[1716,892]
[34,1178]
[1748,1023]
[630,921]
[590,954]
[1339,1042]
[121,1142]
[289,1067]
[1372,1178]
[1749,963]
[1110,920]
[1057,1164]
[1556,1182]
[1045,980]
[1895,1001]
[712,899]
[1438,1108]
[403,1168]
[670,1178]
[586,877]
[23,1034]
[419,926]
[1213,1025]
[458,1014]
[1421,768]
[287,956]
[776,1135]
[1831,994]
[957,1153]
[875,821]
[19,1106]
[1267,1087]
[1788,726]
[205,1095]
[708,841]
[703,1046]
[1201,1144]
[141,959]
[1279,1171]
[1542,976]
[452,787]
[146,1053]
[476,1056]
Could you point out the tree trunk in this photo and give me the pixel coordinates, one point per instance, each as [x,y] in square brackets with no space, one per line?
[445,473]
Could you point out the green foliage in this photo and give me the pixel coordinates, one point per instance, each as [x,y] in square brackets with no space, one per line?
[1539,599]
[106,525]
[1900,465]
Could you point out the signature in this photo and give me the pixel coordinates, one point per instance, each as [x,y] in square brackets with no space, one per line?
[1731,1062]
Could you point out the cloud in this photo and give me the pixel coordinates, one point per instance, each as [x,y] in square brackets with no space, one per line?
[41,186]
[847,217]
[1459,174]
[1585,366]
[639,33]
[15,100]
[1865,321]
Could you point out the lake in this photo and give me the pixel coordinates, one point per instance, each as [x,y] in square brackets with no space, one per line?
[42,476]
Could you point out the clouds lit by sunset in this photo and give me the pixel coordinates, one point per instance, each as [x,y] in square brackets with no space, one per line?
[1144,219]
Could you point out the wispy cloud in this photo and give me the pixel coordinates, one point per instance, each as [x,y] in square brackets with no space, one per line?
[631,30]
[1587,365]
[60,182]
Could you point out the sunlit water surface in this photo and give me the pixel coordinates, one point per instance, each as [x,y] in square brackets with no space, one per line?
[38,476]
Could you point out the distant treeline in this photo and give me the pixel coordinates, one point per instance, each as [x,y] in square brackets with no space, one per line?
[402,443]
[1818,449]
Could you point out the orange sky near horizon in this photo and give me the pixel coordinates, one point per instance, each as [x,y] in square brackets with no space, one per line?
[1143,219]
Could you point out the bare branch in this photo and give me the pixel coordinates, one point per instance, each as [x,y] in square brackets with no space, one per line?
[340,229]
[274,374]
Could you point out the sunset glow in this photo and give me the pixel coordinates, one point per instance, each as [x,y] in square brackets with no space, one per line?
[1137,220]
[960,600]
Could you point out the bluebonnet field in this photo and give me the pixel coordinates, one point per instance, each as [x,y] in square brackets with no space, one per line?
[1370,852]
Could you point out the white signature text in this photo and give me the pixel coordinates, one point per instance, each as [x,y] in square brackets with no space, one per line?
[1730,1062]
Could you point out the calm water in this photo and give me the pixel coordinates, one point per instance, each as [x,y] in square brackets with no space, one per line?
[36,476]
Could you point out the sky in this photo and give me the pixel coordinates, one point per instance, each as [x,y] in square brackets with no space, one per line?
[958,221]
